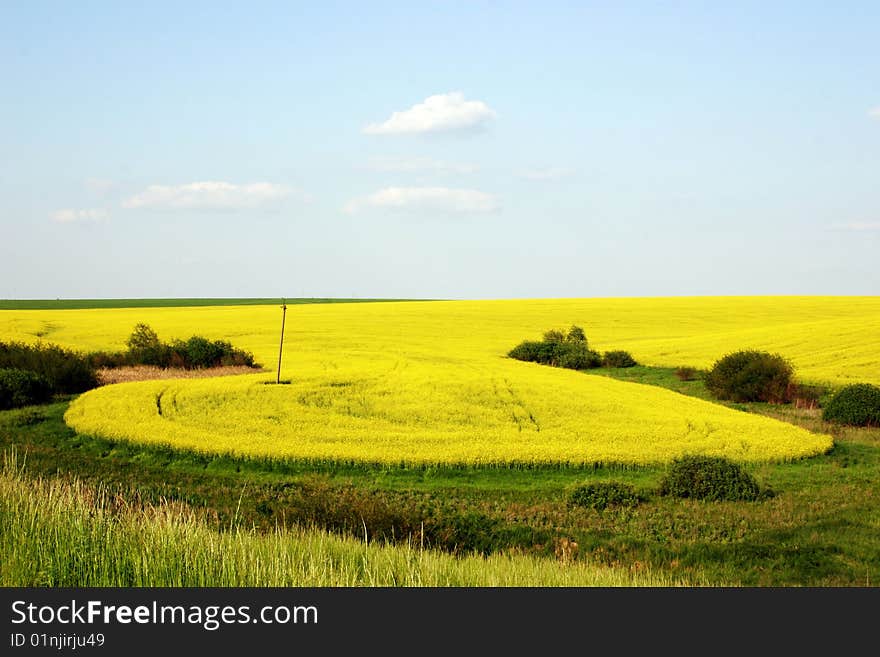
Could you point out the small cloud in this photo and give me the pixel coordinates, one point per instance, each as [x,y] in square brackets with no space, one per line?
[426,199]
[440,113]
[874,113]
[209,195]
[69,215]
[421,165]
[548,173]
[858,226]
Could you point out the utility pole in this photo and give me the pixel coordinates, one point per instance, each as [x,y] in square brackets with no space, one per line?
[281,346]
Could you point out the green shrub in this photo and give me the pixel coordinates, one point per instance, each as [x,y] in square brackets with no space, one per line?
[618,359]
[576,356]
[531,351]
[66,371]
[559,349]
[710,478]
[109,359]
[602,495]
[554,336]
[576,334]
[22,388]
[571,355]
[857,405]
[145,348]
[239,358]
[750,375]
[199,352]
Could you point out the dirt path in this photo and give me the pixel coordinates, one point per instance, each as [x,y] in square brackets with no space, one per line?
[107,376]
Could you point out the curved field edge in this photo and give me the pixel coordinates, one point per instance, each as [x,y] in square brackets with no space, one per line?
[552,417]
[65,533]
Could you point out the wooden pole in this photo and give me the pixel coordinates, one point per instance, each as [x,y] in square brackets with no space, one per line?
[281,346]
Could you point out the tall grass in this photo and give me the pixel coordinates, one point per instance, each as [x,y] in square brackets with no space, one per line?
[57,532]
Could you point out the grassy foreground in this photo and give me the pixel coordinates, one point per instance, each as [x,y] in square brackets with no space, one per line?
[65,533]
[821,529]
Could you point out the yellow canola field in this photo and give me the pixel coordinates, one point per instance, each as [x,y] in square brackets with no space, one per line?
[396,410]
[429,383]
[829,339]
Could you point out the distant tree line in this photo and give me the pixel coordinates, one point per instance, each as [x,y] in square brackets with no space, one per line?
[196,352]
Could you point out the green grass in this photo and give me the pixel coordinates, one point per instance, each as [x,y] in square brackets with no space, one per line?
[666,377]
[64,533]
[663,377]
[80,304]
[821,528]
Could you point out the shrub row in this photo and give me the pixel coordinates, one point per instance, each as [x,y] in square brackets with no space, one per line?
[65,371]
[695,477]
[750,375]
[197,352]
[21,388]
[570,350]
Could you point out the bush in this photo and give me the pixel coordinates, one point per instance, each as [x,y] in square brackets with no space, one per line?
[857,405]
[559,349]
[576,334]
[199,352]
[108,360]
[745,376]
[530,351]
[710,478]
[66,371]
[145,348]
[142,338]
[571,355]
[554,336]
[238,358]
[618,359]
[602,495]
[576,356]
[22,388]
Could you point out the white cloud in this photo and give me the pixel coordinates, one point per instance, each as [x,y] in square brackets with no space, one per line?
[426,199]
[420,165]
[858,226]
[440,113]
[549,173]
[875,112]
[208,195]
[69,215]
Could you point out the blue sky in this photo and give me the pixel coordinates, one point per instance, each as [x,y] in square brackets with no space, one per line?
[439,150]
